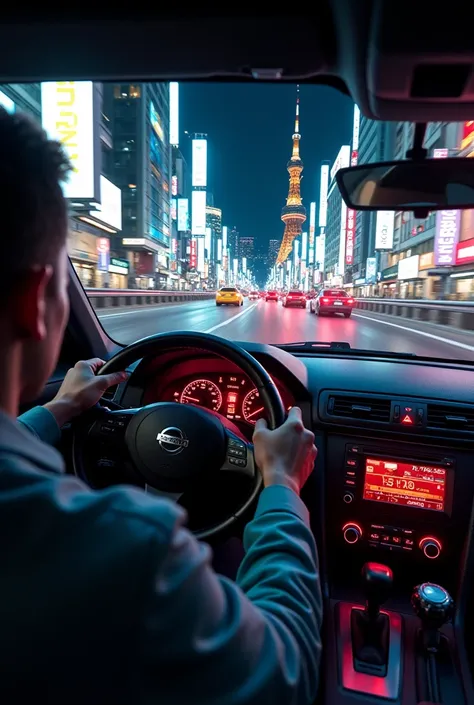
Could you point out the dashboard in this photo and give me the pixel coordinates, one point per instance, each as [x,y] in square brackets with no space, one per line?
[232,395]
[393,480]
[209,382]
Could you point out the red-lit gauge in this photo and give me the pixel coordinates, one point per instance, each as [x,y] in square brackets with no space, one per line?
[252,407]
[202,392]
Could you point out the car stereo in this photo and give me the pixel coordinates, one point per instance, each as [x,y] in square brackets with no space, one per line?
[397,503]
[419,483]
[407,484]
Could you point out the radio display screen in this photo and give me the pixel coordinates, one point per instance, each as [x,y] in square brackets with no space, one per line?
[405,484]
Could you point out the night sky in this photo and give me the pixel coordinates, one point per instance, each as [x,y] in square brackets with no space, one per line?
[249,129]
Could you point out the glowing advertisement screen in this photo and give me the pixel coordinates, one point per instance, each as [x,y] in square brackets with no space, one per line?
[198,213]
[384,227]
[405,484]
[174,113]
[323,196]
[199,162]
[183,214]
[67,115]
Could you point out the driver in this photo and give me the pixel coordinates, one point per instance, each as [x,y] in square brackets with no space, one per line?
[105,597]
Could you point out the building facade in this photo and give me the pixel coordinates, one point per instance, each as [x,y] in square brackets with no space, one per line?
[141,167]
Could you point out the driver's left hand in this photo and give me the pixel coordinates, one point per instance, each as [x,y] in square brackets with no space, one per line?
[81,390]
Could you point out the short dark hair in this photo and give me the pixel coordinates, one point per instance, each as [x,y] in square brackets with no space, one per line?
[33,220]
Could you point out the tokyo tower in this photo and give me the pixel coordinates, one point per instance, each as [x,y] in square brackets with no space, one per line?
[294,213]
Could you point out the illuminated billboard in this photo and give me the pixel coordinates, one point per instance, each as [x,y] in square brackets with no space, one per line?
[384,230]
[67,115]
[343,160]
[447,237]
[193,254]
[174,113]
[183,214]
[198,213]
[224,237]
[201,260]
[199,162]
[350,235]
[342,240]
[312,228]
[304,246]
[110,209]
[323,196]
[156,122]
[355,129]
[173,208]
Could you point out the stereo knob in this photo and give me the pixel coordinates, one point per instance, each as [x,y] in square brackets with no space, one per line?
[348,497]
[430,546]
[351,532]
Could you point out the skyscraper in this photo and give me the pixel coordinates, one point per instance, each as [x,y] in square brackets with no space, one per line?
[294,213]
[247,247]
[273,248]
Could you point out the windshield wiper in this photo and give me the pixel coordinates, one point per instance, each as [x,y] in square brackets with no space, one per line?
[341,346]
[311,344]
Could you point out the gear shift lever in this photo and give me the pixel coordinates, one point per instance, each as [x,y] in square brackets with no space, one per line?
[377,579]
[434,606]
[370,628]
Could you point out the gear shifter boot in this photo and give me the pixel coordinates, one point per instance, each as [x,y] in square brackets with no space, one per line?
[370,640]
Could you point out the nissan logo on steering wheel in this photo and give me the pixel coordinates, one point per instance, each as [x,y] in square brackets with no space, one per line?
[172,440]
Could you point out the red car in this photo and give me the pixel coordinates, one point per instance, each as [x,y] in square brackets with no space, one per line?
[330,301]
[295,298]
[271,296]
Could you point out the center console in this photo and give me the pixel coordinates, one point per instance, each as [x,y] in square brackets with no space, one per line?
[394,542]
[398,503]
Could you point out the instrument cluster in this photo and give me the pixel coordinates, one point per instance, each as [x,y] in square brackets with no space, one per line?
[232,395]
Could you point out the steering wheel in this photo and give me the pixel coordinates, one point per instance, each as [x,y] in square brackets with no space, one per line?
[171,448]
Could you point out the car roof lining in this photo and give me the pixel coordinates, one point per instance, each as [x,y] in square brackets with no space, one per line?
[397,64]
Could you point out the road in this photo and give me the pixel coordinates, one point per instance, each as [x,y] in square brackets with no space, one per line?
[271,323]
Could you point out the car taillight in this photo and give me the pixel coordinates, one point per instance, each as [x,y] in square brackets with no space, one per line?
[325,301]
[350,301]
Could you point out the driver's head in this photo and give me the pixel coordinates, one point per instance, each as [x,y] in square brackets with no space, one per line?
[33,260]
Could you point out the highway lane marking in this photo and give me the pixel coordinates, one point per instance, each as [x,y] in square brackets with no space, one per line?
[231,320]
[439,338]
[147,309]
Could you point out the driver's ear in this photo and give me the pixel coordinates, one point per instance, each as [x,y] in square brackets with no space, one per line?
[30,303]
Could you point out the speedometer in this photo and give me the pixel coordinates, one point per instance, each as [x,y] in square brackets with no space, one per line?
[252,407]
[202,392]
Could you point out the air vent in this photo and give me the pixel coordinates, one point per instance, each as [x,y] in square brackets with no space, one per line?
[110,393]
[447,416]
[367,408]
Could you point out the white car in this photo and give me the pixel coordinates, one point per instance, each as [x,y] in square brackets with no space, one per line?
[254,296]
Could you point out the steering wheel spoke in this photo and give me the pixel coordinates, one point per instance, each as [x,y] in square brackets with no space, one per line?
[239,456]
[110,426]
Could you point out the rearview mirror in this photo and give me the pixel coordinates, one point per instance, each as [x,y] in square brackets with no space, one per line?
[430,184]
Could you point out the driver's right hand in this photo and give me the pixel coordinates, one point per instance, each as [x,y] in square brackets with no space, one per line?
[286,455]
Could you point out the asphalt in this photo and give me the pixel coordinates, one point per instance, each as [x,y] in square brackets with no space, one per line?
[271,323]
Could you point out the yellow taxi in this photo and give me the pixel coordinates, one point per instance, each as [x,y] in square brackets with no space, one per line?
[229,296]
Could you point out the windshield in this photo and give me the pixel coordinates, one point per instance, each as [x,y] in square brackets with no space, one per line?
[333,292]
[180,190]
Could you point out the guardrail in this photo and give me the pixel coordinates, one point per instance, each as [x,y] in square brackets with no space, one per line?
[458,314]
[112,298]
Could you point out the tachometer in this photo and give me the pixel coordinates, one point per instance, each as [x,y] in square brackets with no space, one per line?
[202,392]
[252,407]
